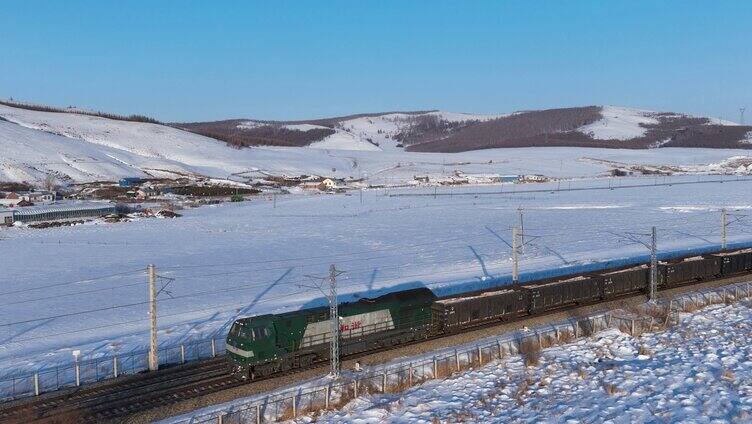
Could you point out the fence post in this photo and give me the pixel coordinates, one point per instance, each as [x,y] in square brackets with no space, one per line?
[608,319]
[556,330]
[328,395]
[383,382]
[78,374]
[632,328]
[355,388]
[258,414]
[214,348]
[410,376]
[36,384]
[480,355]
[435,368]
[114,366]
[294,406]
[540,342]
[576,329]
[498,344]
[220,418]
[182,353]
[457,359]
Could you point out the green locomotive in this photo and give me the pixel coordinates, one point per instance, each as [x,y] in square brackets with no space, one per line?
[266,344]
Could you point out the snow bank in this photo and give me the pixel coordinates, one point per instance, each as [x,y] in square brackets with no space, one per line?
[699,371]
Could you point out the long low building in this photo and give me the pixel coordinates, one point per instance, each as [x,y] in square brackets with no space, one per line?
[57,212]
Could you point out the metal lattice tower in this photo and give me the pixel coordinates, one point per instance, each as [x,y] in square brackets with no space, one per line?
[741,115]
[334,315]
[653,264]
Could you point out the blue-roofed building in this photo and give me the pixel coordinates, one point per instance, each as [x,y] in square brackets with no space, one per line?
[130,181]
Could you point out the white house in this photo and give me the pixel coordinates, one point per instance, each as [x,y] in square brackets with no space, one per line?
[13,199]
[327,184]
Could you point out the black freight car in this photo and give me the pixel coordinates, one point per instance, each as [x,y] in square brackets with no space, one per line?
[624,281]
[735,262]
[697,268]
[455,313]
[557,294]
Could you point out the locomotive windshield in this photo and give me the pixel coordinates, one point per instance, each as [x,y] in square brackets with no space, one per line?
[248,333]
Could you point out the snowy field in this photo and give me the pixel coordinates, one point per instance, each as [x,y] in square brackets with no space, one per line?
[84,287]
[699,371]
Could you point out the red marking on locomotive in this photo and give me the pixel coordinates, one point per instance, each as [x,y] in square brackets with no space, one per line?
[351,326]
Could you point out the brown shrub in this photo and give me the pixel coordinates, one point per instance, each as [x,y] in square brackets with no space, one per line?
[530,351]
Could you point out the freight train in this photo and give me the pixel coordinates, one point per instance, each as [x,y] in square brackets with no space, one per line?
[263,345]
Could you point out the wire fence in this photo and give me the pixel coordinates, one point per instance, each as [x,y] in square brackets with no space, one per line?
[91,370]
[395,378]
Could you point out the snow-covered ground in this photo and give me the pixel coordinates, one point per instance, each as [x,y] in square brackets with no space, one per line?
[84,287]
[698,371]
[80,148]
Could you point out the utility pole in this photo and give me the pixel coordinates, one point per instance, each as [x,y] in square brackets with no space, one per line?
[153,358]
[334,315]
[522,230]
[724,224]
[515,256]
[653,264]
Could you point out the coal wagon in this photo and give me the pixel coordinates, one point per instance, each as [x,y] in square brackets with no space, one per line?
[689,270]
[557,294]
[454,314]
[625,281]
[735,262]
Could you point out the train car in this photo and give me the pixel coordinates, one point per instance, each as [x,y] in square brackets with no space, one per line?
[735,262]
[560,293]
[265,344]
[625,281]
[697,268]
[453,314]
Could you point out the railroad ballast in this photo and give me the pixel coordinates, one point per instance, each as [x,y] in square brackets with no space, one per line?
[268,344]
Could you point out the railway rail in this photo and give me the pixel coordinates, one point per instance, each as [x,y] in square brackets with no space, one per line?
[114,399]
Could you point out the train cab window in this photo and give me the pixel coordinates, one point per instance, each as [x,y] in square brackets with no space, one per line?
[260,333]
[322,316]
[235,330]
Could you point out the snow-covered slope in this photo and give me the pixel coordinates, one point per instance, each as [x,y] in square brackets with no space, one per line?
[370,133]
[619,123]
[87,148]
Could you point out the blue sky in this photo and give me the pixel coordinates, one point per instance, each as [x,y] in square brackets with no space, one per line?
[202,60]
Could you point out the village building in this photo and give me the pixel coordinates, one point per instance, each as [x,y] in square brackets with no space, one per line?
[6,216]
[27,198]
[327,184]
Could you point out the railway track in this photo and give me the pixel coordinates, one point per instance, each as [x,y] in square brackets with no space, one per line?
[118,398]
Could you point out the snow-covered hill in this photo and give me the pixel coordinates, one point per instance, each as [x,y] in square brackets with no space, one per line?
[83,148]
[440,131]
[86,148]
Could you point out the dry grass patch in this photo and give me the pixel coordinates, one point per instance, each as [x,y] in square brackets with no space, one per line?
[611,389]
[728,375]
[530,351]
